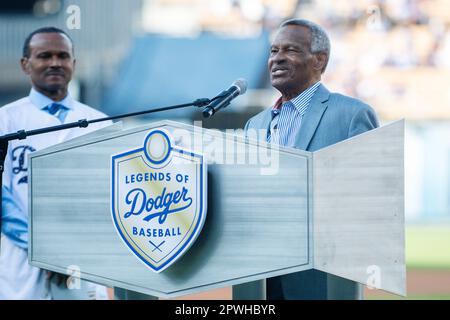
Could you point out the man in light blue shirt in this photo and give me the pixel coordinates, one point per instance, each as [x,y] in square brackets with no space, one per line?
[49,62]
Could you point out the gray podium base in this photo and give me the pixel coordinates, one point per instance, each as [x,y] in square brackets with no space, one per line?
[343,289]
[338,289]
[255,290]
[122,294]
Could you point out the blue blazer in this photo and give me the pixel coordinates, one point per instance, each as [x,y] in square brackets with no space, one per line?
[330,118]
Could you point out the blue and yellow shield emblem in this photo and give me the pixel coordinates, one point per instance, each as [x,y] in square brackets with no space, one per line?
[158,199]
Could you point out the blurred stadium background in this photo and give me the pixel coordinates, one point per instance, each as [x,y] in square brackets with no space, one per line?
[394,54]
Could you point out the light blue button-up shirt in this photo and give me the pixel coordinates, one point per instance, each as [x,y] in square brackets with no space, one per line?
[286,122]
[40,101]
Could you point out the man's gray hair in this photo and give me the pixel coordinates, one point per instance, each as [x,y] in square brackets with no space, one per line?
[319,38]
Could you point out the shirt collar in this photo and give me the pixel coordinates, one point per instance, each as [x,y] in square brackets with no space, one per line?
[277,106]
[300,102]
[41,101]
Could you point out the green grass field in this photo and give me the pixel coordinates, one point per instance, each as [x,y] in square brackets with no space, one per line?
[427,249]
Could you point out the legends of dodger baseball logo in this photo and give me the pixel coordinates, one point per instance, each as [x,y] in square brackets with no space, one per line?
[158,199]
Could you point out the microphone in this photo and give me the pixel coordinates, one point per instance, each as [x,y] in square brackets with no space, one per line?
[224,98]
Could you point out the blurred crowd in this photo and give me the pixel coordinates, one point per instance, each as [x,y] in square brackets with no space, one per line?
[399,48]
[393,53]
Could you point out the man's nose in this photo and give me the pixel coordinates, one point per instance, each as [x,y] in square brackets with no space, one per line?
[277,57]
[55,61]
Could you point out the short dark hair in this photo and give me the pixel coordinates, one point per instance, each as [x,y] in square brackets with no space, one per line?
[26,44]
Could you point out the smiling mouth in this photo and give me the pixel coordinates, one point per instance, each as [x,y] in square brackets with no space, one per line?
[278,71]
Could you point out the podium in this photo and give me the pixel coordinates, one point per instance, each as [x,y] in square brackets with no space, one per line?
[271,211]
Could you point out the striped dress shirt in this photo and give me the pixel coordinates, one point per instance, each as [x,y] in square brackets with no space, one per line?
[287,117]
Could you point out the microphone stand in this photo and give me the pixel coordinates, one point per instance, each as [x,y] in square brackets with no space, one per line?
[22,134]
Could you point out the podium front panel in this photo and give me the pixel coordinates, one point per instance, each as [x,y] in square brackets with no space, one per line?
[257,225]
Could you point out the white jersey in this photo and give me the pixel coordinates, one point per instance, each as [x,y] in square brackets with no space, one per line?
[19,280]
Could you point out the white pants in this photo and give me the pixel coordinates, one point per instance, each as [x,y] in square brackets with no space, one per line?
[21,281]
[18,279]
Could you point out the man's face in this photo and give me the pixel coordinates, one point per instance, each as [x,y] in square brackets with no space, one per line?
[292,66]
[50,63]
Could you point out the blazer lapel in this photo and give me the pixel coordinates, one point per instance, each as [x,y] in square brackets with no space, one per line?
[312,117]
[264,122]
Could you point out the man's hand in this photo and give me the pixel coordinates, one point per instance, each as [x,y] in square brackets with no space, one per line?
[58,278]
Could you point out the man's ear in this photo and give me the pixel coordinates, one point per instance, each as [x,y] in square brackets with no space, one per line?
[24,63]
[320,61]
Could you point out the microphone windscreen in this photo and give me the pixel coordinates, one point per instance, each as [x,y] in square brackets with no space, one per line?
[241,84]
